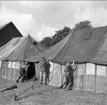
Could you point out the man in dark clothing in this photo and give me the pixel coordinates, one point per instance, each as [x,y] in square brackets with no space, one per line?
[69,77]
[22,73]
[46,72]
[73,67]
[66,75]
[42,69]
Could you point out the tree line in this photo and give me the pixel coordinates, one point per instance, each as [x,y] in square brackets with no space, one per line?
[62,33]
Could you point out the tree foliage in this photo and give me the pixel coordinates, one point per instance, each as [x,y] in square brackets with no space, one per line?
[46,42]
[59,35]
[83,24]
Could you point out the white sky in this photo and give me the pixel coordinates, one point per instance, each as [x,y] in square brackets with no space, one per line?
[43,18]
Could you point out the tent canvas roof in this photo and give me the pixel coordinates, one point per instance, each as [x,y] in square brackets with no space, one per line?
[49,52]
[101,55]
[20,48]
[81,45]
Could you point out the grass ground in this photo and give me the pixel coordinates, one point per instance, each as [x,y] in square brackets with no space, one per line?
[49,95]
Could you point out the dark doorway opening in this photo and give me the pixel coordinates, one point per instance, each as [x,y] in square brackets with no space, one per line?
[31,70]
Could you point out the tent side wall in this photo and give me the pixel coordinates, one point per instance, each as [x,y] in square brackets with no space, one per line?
[87,77]
[10,70]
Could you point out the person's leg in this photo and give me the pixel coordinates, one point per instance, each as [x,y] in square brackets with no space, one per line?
[41,78]
[18,79]
[71,80]
[44,78]
[65,82]
[47,79]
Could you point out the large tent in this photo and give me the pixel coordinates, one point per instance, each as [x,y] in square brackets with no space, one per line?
[14,53]
[81,45]
[88,48]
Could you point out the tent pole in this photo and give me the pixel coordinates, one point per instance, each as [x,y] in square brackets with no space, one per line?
[6,68]
[53,67]
[85,77]
[60,75]
[11,71]
[14,72]
[75,80]
[95,77]
[37,70]
[106,70]
[2,72]
[0,68]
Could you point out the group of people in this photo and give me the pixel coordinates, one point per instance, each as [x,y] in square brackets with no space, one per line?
[44,68]
[68,73]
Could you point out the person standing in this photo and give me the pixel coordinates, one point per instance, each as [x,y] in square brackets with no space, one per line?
[69,75]
[47,72]
[42,69]
[66,75]
[22,73]
[73,67]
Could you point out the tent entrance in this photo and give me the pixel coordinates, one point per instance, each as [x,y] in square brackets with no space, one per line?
[31,71]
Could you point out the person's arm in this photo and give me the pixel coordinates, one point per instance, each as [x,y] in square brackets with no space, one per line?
[74,67]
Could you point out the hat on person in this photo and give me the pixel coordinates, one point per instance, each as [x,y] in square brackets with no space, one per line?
[73,63]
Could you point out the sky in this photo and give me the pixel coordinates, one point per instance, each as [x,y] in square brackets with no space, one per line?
[43,18]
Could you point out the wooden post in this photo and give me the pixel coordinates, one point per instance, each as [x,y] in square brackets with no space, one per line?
[6,68]
[10,71]
[75,78]
[53,67]
[106,71]
[53,70]
[2,71]
[95,77]
[60,75]
[85,77]
[14,72]
[37,71]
